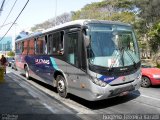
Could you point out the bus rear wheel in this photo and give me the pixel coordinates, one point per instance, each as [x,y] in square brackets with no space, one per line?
[27,73]
[61,86]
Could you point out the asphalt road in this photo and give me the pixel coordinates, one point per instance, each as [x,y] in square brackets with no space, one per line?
[141,104]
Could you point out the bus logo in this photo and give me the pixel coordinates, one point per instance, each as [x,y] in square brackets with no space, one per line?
[41,61]
[123,78]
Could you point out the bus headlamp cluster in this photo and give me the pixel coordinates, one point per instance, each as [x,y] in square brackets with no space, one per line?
[98,82]
[139,76]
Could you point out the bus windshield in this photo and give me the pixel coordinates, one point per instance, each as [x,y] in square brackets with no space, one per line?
[112,45]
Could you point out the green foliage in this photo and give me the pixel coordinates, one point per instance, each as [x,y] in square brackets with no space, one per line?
[149,10]
[11,54]
[146,25]
[127,17]
[155,31]
[154,34]
[115,10]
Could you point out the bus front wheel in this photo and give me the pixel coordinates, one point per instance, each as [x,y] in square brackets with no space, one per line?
[61,86]
[27,73]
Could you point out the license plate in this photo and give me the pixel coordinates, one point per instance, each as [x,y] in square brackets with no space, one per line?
[124,93]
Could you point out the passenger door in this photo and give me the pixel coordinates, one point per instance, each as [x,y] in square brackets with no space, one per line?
[73,60]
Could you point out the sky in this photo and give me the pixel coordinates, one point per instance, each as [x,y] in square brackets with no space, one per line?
[36,11]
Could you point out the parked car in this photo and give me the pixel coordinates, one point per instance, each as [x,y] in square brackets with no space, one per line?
[150,76]
[13,65]
[9,61]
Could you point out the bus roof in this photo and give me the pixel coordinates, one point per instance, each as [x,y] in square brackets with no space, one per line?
[29,36]
[81,22]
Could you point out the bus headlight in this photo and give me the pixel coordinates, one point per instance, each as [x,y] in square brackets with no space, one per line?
[139,76]
[98,82]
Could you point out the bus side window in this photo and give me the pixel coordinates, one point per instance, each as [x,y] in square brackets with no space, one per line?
[45,45]
[40,45]
[61,43]
[55,43]
[31,47]
[35,45]
[49,44]
[25,47]
[22,48]
[18,47]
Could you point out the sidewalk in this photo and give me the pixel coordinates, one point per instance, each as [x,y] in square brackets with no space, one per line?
[17,104]
[14,100]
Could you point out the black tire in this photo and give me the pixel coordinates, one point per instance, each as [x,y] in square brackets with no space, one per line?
[145,82]
[15,68]
[27,73]
[12,67]
[61,86]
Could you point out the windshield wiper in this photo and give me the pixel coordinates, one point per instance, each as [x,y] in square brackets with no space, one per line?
[115,59]
[134,63]
[122,53]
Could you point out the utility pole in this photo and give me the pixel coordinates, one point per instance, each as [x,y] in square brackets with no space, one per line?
[55,12]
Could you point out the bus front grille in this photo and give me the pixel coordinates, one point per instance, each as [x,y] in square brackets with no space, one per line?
[118,91]
[121,83]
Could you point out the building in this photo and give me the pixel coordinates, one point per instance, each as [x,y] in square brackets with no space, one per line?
[6,44]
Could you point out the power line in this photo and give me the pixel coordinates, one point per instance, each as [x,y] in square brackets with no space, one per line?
[2,6]
[15,20]
[8,14]
[5,24]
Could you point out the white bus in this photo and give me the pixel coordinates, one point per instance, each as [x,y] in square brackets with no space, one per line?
[92,59]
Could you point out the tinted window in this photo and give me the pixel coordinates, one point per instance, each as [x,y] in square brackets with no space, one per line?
[55,43]
[73,48]
[40,46]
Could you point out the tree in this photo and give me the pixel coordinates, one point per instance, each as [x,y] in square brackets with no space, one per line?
[148,14]
[115,10]
[154,35]
[11,54]
[65,17]
[149,10]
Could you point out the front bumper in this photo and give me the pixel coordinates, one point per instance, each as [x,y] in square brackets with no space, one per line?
[100,93]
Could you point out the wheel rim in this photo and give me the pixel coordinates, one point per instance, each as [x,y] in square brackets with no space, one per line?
[144,81]
[61,85]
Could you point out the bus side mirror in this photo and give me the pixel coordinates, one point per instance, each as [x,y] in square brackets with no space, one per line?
[87,40]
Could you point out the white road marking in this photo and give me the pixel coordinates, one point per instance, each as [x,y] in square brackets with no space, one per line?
[49,108]
[32,94]
[147,96]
